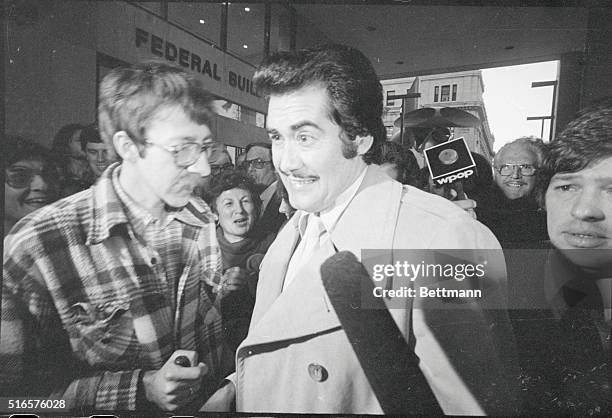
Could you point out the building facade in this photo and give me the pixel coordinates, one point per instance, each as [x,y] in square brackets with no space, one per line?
[463,90]
[59,50]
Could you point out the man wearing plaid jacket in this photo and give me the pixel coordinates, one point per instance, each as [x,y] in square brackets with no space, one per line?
[104,289]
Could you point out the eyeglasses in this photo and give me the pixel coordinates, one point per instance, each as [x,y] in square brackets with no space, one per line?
[508,169]
[188,153]
[216,169]
[21,177]
[257,163]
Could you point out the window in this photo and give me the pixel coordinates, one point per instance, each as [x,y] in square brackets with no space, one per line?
[454,97]
[243,114]
[390,102]
[445,93]
[436,93]
[280,28]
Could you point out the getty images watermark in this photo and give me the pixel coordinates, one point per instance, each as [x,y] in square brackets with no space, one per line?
[426,271]
[449,276]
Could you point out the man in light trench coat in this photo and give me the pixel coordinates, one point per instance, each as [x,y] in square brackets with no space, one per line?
[324,122]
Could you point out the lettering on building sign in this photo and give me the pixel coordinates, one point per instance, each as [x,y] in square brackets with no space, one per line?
[188,59]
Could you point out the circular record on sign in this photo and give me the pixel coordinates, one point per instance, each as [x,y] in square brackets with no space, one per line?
[448,156]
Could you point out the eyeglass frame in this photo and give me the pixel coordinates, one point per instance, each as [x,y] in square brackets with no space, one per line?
[215,168]
[175,149]
[47,173]
[258,163]
[521,168]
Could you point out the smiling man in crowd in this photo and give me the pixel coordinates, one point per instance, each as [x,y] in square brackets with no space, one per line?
[103,290]
[515,167]
[324,122]
[99,154]
[512,211]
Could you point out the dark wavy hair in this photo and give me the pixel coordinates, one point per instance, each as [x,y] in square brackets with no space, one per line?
[90,134]
[228,180]
[18,149]
[405,161]
[354,91]
[585,141]
[131,97]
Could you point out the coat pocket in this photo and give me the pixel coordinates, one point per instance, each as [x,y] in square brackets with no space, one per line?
[103,335]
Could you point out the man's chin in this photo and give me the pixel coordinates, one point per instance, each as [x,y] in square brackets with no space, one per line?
[307,205]
[590,258]
[514,193]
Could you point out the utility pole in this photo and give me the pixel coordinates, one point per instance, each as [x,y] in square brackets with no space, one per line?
[403,97]
[551,117]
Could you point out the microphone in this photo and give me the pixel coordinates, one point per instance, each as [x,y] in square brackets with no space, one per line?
[182,361]
[253,262]
[391,366]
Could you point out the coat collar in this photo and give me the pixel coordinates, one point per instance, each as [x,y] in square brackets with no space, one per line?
[108,211]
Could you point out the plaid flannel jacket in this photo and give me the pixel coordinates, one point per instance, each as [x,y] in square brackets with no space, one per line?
[85,310]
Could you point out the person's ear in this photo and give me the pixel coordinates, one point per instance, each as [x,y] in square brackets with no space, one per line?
[125,147]
[363,143]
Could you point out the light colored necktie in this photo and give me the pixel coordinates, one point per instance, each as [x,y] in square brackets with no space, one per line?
[314,236]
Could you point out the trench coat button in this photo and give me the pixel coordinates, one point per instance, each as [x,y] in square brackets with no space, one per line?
[317,372]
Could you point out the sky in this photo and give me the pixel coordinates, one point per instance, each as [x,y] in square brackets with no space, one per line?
[510,99]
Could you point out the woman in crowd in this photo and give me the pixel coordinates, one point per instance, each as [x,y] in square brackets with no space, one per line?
[69,153]
[234,199]
[31,179]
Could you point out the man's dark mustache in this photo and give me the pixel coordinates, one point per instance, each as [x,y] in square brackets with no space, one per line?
[298,176]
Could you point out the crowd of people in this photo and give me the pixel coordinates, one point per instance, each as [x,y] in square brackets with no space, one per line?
[146,270]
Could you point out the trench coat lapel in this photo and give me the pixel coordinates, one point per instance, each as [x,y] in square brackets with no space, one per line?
[301,309]
[274,267]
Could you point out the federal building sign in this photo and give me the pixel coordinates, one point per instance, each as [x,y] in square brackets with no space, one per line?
[138,35]
[188,59]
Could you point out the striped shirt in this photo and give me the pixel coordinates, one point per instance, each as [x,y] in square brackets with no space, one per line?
[87,304]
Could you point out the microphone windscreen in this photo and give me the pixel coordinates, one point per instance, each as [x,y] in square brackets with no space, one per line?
[343,274]
[388,362]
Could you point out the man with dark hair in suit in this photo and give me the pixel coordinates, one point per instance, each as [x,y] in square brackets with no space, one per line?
[562,297]
[260,168]
[325,125]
